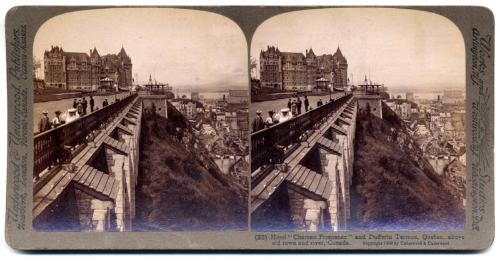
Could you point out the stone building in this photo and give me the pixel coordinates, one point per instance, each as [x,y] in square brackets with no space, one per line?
[55,68]
[82,71]
[78,71]
[404,108]
[270,68]
[296,71]
[195,96]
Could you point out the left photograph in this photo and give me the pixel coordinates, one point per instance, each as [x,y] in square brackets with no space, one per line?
[140,122]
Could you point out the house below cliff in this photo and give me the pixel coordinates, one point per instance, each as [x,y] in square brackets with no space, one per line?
[394,187]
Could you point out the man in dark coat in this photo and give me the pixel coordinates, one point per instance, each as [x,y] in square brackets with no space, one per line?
[105,103]
[84,106]
[306,103]
[79,107]
[44,123]
[289,103]
[258,122]
[91,104]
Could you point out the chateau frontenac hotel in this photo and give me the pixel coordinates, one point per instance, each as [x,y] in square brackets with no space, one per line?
[82,71]
[296,71]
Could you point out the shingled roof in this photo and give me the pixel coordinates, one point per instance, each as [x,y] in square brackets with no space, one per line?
[78,56]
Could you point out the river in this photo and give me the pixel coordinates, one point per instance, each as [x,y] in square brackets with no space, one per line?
[204,95]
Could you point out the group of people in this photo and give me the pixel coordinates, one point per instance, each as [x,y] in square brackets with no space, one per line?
[46,124]
[79,109]
[259,123]
[294,108]
[295,105]
[81,105]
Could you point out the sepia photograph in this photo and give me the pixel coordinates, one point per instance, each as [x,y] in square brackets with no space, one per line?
[358,121]
[255,129]
[140,122]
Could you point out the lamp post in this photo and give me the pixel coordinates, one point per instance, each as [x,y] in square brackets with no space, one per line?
[330,92]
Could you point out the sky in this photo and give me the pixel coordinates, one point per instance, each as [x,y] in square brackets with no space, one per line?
[404,49]
[186,48]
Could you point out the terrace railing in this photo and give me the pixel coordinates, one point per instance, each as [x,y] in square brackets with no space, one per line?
[49,145]
[268,142]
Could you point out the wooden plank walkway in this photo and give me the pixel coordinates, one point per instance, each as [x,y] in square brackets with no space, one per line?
[101,183]
[331,146]
[125,129]
[298,174]
[340,129]
[313,182]
[120,146]
[83,174]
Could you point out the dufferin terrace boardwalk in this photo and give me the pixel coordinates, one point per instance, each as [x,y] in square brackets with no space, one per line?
[88,174]
[313,190]
[92,186]
[108,182]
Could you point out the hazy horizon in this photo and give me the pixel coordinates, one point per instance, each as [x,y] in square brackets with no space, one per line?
[403,49]
[417,90]
[185,48]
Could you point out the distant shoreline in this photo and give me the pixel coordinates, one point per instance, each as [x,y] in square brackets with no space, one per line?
[422,91]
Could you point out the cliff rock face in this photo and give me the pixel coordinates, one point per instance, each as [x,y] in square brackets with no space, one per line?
[180,188]
[394,187]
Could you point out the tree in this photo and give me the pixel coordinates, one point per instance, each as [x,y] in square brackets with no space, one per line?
[253,68]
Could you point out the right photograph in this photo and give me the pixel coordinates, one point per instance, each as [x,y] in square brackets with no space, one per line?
[358,122]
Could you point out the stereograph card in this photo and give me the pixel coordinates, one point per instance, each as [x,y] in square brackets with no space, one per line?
[250,128]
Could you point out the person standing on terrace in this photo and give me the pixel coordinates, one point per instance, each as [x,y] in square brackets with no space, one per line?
[270,119]
[84,106]
[258,122]
[294,108]
[320,102]
[91,102]
[56,121]
[44,124]
[306,103]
